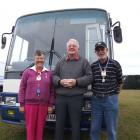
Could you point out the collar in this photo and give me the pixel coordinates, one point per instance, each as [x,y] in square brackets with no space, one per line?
[44,69]
[104,62]
[76,57]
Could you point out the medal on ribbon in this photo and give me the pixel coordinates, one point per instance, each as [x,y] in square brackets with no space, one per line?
[103,74]
[38,77]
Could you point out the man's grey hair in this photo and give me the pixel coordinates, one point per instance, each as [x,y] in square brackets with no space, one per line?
[74,41]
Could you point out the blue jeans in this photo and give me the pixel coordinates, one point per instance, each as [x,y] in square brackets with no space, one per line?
[104,108]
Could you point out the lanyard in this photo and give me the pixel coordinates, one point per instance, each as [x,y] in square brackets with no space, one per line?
[38,79]
[103,72]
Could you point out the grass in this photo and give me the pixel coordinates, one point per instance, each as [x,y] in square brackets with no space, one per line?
[129,118]
[128,127]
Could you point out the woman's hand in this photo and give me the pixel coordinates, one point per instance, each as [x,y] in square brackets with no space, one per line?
[21,109]
[50,110]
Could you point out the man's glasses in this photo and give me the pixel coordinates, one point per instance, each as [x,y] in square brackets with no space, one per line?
[72,46]
[100,49]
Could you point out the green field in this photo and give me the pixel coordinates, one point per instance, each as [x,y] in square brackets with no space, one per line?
[128,127]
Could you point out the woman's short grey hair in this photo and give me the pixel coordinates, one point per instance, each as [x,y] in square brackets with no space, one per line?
[74,41]
[39,53]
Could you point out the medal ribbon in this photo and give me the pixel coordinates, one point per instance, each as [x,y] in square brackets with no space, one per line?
[38,78]
[103,72]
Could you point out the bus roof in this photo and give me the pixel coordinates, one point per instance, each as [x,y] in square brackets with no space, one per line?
[53,11]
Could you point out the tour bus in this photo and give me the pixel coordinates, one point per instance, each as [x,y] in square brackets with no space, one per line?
[49,31]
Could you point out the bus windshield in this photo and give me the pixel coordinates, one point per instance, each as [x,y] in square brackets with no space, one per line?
[36,31]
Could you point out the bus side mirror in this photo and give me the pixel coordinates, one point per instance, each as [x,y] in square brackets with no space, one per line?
[117,32]
[3,42]
[4,39]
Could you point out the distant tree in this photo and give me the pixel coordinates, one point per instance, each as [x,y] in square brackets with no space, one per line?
[131,82]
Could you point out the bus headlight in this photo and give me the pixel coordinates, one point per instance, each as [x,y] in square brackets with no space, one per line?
[10,112]
[10,100]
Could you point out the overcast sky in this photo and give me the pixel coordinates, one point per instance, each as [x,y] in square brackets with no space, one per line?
[127,12]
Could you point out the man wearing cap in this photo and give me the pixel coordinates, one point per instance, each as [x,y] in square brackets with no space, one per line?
[106,85]
[71,77]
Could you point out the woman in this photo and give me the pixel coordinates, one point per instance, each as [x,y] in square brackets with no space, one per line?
[36,96]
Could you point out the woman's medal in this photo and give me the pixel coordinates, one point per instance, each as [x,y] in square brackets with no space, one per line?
[38,77]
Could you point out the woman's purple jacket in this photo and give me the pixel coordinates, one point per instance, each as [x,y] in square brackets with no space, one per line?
[29,87]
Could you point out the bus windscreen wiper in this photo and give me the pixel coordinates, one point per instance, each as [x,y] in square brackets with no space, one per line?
[52,51]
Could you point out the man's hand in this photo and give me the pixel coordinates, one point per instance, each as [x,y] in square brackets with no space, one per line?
[21,109]
[50,110]
[64,82]
[120,87]
[69,83]
[72,82]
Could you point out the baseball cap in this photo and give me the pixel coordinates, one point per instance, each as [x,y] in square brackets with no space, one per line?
[100,44]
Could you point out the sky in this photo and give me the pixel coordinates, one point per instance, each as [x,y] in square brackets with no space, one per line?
[127,12]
